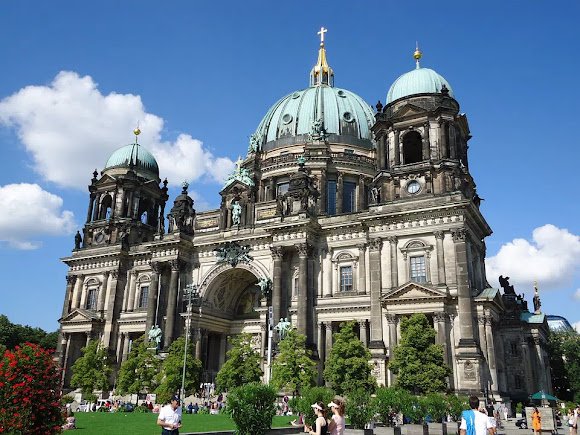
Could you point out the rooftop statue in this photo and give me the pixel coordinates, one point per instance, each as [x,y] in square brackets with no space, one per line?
[240,174]
[505,284]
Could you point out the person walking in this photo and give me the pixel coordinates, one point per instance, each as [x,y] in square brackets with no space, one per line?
[474,422]
[321,425]
[170,417]
[573,422]
[336,423]
[536,421]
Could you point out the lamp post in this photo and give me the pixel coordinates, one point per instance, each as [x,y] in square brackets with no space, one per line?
[192,293]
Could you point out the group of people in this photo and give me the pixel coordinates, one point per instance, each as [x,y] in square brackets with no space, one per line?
[573,419]
[334,425]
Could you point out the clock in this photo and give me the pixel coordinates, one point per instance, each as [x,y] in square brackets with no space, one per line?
[99,237]
[413,187]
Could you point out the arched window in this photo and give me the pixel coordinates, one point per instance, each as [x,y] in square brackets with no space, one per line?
[106,207]
[92,298]
[412,148]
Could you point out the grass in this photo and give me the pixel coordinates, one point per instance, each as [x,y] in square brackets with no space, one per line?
[120,423]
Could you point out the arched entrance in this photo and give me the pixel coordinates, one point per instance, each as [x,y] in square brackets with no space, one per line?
[231,305]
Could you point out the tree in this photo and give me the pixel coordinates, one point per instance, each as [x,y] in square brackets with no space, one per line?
[242,365]
[171,374]
[418,361]
[347,367]
[92,370]
[293,369]
[389,401]
[564,349]
[29,391]
[252,408]
[138,372]
[359,408]
[12,334]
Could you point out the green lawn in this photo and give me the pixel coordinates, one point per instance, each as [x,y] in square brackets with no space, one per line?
[101,423]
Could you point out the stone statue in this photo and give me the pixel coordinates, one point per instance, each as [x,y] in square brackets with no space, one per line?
[78,240]
[236,213]
[507,288]
[265,285]
[375,194]
[537,302]
[283,327]
[155,335]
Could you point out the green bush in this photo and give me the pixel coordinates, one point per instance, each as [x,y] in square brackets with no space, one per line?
[436,406]
[142,409]
[252,408]
[415,409]
[456,404]
[359,408]
[390,400]
[309,396]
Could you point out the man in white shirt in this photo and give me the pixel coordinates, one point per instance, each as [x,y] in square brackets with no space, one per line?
[474,422]
[170,417]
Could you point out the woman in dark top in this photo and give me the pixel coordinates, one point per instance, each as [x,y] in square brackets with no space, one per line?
[321,426]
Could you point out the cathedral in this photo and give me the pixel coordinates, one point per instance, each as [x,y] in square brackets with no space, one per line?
[339,211]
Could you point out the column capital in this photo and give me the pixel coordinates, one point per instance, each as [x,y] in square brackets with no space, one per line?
[391,318]
[375,244]
[362,247]
[439,316]
[481,320]
[114,274]
[392,240]
[106,273]
[304,249]
[134,273]
[328,326]
[277,252]
[451,317]
[459,234]
[439,234]
[156,267]
[176,265]
[71,279]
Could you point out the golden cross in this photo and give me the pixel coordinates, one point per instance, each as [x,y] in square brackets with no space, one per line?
[321,33]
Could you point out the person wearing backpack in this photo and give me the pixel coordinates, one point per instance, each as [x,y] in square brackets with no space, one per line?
[474,422]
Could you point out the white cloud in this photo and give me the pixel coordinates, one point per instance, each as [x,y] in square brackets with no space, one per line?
[552,258]
[577,294]
[576,326]
[70,128]
[29,212]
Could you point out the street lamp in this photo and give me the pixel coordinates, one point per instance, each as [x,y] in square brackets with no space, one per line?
[192,293]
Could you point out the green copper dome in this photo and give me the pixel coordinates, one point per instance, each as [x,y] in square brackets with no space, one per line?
[136,157]
[418,81]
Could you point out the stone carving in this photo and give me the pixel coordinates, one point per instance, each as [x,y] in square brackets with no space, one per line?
[265,285]
[302,193]
[233,253]
[391,318]
[375,244]
[439,234]
[182,215]
[507,288]
[236,213]
[537,301]
[240,174]
[304,249]
[375,195]
[459,234]
[317,130]
[469,371]
[154,335]
[277,252]
[71,279]
[283,327]
[255,143]
[78,240]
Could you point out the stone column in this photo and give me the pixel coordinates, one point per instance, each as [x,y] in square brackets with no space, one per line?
[361,193]
[272,189]
[363,335]
[70,284]
[362,269]
[381,151]
[156,269]
[375,246]
[328,326]
[441,337]
[491,353]
[197,338]
[91,205]
[443,148]
[529,372]
[394,266]
[302,308]
[170,314]
[392,321]
[103,291]
[277,256]
[464,305]
[426,144]
[108,332]
[222,355]
[396,149]
[339,190]
[78,288]
[66,338]
[439,236]
[483,341]
[96,207]
[126,340]
[322,191]
[451,349]
[132,290]
[264,335]
[327,287]
[320,339]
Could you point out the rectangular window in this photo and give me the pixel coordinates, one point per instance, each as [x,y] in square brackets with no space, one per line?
[282,188]
[296,286]
[92,299]
[144,296]
[348,197]
[346,278]
[418,272]
[331,197]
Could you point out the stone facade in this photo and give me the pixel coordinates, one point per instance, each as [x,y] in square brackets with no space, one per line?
[367,231]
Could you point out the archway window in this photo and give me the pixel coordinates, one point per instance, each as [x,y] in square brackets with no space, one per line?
[143,297]
[92,298]
[412,148]
[346,278]
[348,197]
[106,207]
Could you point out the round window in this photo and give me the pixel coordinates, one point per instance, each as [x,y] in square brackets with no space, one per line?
[296,95]
[347,116]
[413,187]
[341,93]
[287,118]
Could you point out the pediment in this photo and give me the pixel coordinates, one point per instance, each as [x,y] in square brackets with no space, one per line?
[80,315]
[236,186]
[414,291]
[409,110]
[106,179]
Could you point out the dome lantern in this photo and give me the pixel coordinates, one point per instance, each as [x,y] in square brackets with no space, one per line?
[321,73]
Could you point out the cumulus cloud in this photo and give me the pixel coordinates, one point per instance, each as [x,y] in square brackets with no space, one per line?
[576,326]
[70,128]
[577,294]
[552,257]
[29,212]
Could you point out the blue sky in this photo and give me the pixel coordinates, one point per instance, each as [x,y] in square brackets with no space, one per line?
[199,76]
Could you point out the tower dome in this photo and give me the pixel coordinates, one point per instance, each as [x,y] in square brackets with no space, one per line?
[134,156]
[344,116]
[418,81]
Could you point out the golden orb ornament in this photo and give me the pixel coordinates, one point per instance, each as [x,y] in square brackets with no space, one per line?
[137,132]
[418,54]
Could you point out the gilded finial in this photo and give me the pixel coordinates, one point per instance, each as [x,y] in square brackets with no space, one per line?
[417,55]
[321,73]
[136,132]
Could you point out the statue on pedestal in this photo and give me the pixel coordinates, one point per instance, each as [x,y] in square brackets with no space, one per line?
[154,334]
[283,327]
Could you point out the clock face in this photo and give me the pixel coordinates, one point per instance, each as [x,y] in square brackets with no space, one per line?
[99,237]
[413,187]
